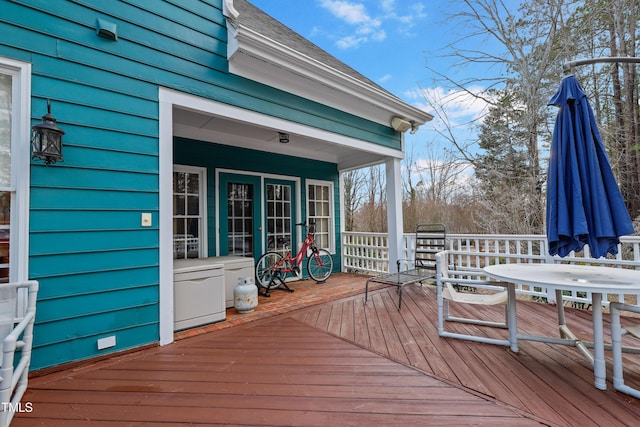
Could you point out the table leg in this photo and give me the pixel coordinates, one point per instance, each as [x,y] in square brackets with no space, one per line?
[511,317]
[560,307]
[599,364]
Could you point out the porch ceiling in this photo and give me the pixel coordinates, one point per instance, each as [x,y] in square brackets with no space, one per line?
[304,141]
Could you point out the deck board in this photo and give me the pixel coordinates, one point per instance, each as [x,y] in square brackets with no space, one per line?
[554,382]
[343,362]
[240,376]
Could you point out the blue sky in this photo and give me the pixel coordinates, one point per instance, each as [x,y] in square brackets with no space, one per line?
[389,41]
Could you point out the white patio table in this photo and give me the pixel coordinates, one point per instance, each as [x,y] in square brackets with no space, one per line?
[580,278]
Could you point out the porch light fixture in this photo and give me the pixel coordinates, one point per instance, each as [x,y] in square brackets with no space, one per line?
[283,137]
[47,139]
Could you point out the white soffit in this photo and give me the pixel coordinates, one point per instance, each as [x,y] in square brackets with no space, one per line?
[259,58]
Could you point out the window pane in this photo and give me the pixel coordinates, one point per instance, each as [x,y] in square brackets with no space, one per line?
[178,205]
[193,207]
[5,207]
[4,254]
[193,183]
[178,227]
[194,227]
[178,182]
[325,192]
[5,130]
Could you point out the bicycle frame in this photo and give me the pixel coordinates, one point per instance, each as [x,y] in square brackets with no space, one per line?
[290,264]
[273,267]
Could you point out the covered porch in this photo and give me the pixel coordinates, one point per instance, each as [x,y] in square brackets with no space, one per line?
[320,356]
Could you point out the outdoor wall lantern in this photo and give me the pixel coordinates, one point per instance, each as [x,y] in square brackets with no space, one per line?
[47,139]
[283,137]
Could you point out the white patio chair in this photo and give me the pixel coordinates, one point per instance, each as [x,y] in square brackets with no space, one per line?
[468,282]
[17,315]
[617,331]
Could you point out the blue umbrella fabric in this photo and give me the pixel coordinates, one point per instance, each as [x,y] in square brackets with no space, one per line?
[584,204]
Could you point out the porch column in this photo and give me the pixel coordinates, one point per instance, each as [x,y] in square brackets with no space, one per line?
[394,211]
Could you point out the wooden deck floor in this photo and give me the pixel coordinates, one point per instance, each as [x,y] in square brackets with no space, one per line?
[341,363]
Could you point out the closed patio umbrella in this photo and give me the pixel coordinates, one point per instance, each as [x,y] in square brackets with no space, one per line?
[584,204]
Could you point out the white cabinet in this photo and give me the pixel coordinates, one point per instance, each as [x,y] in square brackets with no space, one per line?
[234,268]
[198,292]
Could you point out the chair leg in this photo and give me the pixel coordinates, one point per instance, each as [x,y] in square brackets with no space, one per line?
[366,291]
[616,348]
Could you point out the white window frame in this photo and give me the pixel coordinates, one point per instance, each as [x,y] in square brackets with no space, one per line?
[204,226]
[332,216]
[20,167]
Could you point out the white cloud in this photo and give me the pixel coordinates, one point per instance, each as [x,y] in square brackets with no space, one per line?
[385,78]
[458,105]
[365,26]
[350,41]
[352,13]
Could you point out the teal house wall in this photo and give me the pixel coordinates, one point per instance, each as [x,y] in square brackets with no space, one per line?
[98,269]
[212,156]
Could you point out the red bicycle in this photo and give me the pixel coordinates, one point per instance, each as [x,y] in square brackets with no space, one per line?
[272,268]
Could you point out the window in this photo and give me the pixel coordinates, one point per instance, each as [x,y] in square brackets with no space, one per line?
[320,210]
[189,195]
[15,132]
[6,190]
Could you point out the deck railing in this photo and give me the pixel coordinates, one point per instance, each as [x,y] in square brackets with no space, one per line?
[368,253]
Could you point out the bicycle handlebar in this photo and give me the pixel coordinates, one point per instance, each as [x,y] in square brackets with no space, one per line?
[311,226]
[304,223]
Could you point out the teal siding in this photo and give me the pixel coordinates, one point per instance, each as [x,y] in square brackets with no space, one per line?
[205,154]
[97,267]
[212,156]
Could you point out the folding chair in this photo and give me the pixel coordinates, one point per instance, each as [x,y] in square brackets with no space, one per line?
[468,286]
[617,331]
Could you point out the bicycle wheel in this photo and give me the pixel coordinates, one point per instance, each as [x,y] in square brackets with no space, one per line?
[268,270]
[320,265]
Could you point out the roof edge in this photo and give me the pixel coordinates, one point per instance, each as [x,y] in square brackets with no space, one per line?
[250,42]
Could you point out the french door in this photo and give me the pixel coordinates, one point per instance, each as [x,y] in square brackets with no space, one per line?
[246,203]
[240,220]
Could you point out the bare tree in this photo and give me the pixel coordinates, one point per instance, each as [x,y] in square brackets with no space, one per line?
[525,56]
[354,188]
[372,216]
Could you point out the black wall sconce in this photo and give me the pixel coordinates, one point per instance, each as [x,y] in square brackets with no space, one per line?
[47,139]
[283,137]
